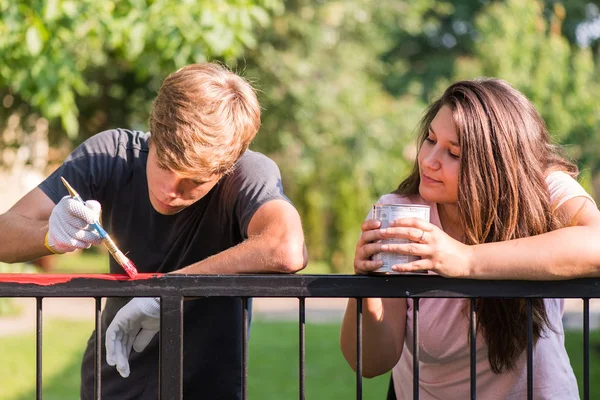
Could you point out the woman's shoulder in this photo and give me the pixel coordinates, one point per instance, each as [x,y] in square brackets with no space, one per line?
[562,187]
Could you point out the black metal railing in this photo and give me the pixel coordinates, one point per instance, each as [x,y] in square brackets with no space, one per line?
[173,289]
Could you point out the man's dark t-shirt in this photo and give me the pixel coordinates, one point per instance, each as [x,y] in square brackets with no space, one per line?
[110,167]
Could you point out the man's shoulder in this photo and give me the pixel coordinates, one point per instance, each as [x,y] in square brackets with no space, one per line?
[254,156]
[112,139]
[254,162]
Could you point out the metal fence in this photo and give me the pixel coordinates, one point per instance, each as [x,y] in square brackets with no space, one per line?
[173,289]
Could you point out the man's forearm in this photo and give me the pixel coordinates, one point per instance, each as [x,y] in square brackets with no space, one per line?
[257,254]
[21,238]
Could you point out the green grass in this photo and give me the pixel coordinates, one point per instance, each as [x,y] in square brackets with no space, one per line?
[62,348]
[273,363]
[574,344]
[274,366]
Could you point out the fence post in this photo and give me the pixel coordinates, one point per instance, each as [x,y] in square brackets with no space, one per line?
[171,348]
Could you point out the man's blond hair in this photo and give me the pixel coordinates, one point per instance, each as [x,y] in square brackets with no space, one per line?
[204,118]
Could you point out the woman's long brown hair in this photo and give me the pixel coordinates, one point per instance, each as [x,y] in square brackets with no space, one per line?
[506,155]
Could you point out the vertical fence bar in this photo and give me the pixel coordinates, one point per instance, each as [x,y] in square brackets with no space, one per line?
[38,348]
[359,348]
[586,348]
[245,315]
[301,346]
[529,349]
[473,337]
[98,351]
[416,348]
[171,347]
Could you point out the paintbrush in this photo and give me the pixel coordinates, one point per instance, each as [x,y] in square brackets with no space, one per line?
[117,254]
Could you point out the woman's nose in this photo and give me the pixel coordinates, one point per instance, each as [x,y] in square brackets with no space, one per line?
[431,160]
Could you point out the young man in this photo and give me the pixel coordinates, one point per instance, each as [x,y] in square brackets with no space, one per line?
[187,197]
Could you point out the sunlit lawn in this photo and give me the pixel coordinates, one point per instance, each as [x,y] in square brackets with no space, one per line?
[273,363]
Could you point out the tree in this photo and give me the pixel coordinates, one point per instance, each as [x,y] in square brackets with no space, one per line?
[93,64]
[336,133]
[534,45]
[524,43]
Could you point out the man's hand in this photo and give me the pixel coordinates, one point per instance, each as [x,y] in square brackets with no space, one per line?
[69,226]
[133,326]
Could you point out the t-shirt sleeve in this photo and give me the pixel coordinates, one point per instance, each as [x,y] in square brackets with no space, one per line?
[87,168]
[563,187]
[255,181]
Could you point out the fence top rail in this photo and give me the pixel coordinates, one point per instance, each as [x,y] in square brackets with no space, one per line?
[268,285]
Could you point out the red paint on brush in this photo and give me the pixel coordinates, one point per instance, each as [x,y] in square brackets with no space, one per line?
[53,279]
[130,268]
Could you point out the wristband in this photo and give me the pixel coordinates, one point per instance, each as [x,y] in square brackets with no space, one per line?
[48,246]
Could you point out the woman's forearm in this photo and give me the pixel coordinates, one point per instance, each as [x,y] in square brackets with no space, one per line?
[561,254]
[383,338]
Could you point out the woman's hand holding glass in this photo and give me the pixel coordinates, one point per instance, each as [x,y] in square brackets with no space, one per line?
[367,246]
[439,252]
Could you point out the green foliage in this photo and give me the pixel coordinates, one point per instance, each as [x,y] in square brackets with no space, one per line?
[530,44]
[342,83]
[522,45]
[335,132]
[108,58]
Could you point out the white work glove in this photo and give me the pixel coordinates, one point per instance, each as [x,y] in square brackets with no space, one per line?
[133,326]
[69,226]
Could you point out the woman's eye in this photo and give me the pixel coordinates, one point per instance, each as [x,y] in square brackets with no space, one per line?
[430,140]
[455,156]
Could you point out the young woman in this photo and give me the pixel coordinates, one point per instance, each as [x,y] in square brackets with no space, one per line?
[504,205]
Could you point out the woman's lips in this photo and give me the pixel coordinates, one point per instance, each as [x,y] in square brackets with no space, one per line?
[427,179]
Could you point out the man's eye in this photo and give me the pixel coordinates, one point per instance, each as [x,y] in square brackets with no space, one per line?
[197,182]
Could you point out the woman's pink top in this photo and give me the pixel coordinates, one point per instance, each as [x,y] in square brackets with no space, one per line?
[444,357]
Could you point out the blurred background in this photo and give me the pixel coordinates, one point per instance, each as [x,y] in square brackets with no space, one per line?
[342,85]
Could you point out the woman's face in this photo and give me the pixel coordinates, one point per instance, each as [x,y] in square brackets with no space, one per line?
[439,160]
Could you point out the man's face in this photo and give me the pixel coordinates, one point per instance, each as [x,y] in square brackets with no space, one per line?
[170,191]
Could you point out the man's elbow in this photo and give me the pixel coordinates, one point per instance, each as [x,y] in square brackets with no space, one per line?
[292,256]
